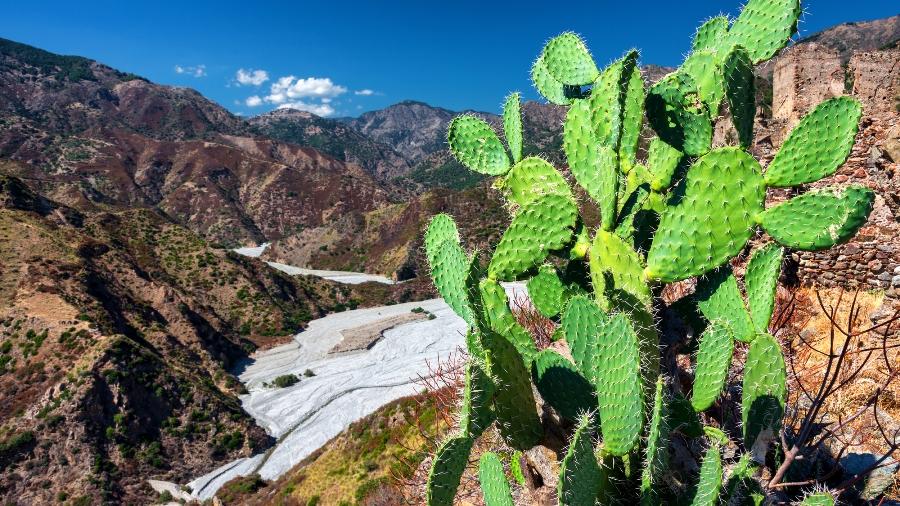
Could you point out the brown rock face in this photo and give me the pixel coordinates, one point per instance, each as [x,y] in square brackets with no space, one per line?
[876,80]
[804,76]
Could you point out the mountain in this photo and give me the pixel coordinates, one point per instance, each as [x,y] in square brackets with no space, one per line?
[849,38]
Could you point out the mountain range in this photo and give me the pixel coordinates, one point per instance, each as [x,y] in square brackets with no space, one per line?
[122,308]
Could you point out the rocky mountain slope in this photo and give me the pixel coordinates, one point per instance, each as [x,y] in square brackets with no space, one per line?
[848,38]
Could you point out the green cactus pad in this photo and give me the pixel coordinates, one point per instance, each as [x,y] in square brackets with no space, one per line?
[662,161]
[818,499]
[740,479]
[567,59]
[761,280]
[608,99]
[711,34]
[633,217]
[703,67]
[531,179]
[473,345]
[632,120]
[512,125]
[562,385]
[818,145]
[683,418]
[657,452]
[448,264]
[719,298]
[547,85]
[594,166]
[447,469]
[618,385]
[611,258]
[581,324]
[740,89]
[547,291]
[677,114]
[474,143]
[579,473]
[713,362]
[500,319]
[710,484]
[819,219]
[514,404]
[494,487]
[540,227]
[478,391]
[764,27]
[710,217]
[764,391]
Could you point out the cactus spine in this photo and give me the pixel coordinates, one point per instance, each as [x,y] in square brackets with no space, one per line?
[686,211]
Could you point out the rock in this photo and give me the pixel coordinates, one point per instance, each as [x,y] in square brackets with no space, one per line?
[895,281]
[897,270]
[876,265]
[877,482]
[542,468]
[884,276]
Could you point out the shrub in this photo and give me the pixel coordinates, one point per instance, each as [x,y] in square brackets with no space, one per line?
[285,380]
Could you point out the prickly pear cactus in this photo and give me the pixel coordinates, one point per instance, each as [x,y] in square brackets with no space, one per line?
[685,212]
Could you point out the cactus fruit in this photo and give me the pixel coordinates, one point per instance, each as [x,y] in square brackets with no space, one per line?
[764,27]
[818,145]
[513,400]
[494,487]
[447,469]
[819,219]
[547,291]
[562,385]
[711,34]
[710,484]
[579,473]
[684,211]
[476,415]
[713,362]
[761,280]
[763,395]
[512,125]
[701,230]
[740,89]
[677,114]
[475,144]
[719,298]
[543,225]
[656,447]
[618,384]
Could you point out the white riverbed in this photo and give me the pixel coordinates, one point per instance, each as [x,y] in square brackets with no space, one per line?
[351,278]
[345,388]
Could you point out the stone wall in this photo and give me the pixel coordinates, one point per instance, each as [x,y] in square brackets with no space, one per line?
[876,80]
[804,75]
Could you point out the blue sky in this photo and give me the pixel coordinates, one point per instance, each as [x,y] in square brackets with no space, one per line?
[341,58]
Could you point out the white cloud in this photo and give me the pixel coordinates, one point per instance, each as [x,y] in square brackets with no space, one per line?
[253,101]
[251,77]
[195,71]
[317,109]
[291,88]
[366,92]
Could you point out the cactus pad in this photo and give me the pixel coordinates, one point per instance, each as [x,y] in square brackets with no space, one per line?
[713,218]
[619,385]
[579,473]
[761,280]
[448,264]
[476,415]
[512,125]
[711,34]
[740,89]
[594,166]
[703,67]
[819,219]
[818,145]
[607,100]
[710,485]
[581,324]
[533,178]
[562,385]
[474,143]
[513,400]
[611,258]
[541,226]
[713,362]
[547,85]
[657,452]
[567,59]
[500,319]
[764,27]
[719,298]
[449,463]
[677,114]
[818,499]
[762,404]
[494,486]
[662,160]
[547,291]
[632,120]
